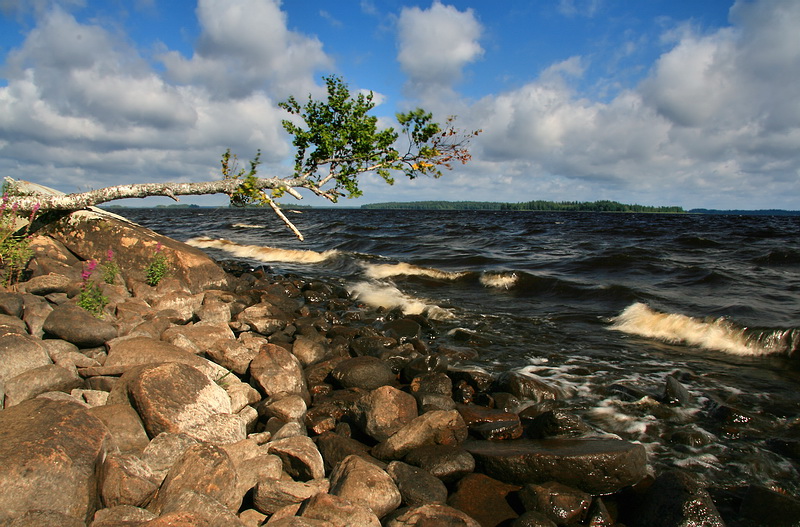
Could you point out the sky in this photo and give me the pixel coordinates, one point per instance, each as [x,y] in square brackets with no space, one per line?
[656,102]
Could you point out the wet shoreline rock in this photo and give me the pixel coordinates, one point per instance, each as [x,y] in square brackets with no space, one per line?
[243,399]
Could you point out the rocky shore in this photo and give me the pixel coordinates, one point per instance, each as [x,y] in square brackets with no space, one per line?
[230,397]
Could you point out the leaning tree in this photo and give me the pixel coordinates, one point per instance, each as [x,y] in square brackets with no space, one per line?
[336,141]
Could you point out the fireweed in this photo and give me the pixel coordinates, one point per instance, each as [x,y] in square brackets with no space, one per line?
[15,251]
[91,297]
[109,268]
[157,269]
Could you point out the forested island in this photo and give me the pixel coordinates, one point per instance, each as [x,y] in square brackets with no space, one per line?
[538,205]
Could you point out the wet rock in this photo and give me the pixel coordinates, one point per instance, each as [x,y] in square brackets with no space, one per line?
[78,326]
[432,428]
[365,372]
[434,382]
[527,386]
[554,423]
[427,402]
[271,495]
[675,498]
[20,353]
[599,515]
[363,483]
[533,519]
[174,397]
[676,393]
[484,499]
[476,377]
[278,372]
[562,504]
[48,378]
[335,511]
[371,345]
[205,469]
[402,330]
[596,466]
[416,486]
[300,457]
[448,463]
[51,452]
[431,514]
[488,423]
[384,411]
[126,480]
[436,363]
[769,508]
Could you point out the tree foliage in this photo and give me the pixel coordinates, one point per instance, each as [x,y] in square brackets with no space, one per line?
[336,141]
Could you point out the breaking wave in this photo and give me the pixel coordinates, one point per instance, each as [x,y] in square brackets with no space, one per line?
[713,333]
[378,271]
[261,252]
[389,297]
[499,280]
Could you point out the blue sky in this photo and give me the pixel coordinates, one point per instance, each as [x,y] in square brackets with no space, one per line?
[670,102]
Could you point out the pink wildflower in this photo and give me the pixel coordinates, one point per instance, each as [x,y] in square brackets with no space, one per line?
[109,255]
[90,267]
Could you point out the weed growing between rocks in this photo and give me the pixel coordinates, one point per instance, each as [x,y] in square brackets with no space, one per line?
[109,268]
[15,252]
[157,269]
[91,297]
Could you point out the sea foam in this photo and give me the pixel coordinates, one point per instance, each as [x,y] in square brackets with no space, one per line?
[717,334]
[378,271]
[261,252]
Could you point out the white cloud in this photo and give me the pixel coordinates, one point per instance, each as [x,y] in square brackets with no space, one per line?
[717,118]
[244,47]
[436,44]
[83,109]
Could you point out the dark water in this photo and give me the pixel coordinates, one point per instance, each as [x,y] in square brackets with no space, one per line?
[590,302]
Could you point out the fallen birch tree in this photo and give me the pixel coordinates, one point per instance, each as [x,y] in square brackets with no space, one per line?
[336,141]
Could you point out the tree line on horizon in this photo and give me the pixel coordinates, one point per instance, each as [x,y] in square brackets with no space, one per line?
[537,205]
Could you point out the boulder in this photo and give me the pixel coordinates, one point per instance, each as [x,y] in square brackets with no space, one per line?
[127,430]
[416,486]
[47,378]
[596,466]
[263,318]
[527,386]
[11,304]
[51,452]
[359,481]
[446,462]
[46,519]
[174,397]
[90,233]
[433,428]
[384,411]
[125,353]
[271,495]
[121,516]
[676,498]
[20,353]
[300,457]
[334,448]
[309,350]
[76,325]
[364,372]
[431,514]
[334,511]
[126,480]
[484,499]
[559,503]
[164,450]
[205,469]
[197,338]
[275,371]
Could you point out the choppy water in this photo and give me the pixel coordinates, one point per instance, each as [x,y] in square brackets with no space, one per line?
[604,305]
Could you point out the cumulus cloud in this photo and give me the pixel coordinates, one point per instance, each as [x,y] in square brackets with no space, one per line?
[246,46]
[435,44]
[718,115]
[82,108]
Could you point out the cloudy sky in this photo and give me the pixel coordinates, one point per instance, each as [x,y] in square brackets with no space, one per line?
[663,102]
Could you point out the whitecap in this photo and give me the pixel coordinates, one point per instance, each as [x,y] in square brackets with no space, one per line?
[717,334]
[389,297]
[379,271]
[499,280]
[263,253]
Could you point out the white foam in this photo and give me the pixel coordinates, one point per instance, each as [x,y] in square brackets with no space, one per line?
[379,271]
[499,280]
[261,252]
[248,226]
[389,297]
[717,334]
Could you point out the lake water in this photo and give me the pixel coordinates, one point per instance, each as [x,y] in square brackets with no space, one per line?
[604,306]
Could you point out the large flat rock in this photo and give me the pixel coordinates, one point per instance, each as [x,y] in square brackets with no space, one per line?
[596,466]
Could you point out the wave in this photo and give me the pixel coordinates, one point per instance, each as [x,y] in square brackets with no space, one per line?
[262,252]
[389,297]
[247,226]
[378,271]
[717,334]
[499,280]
